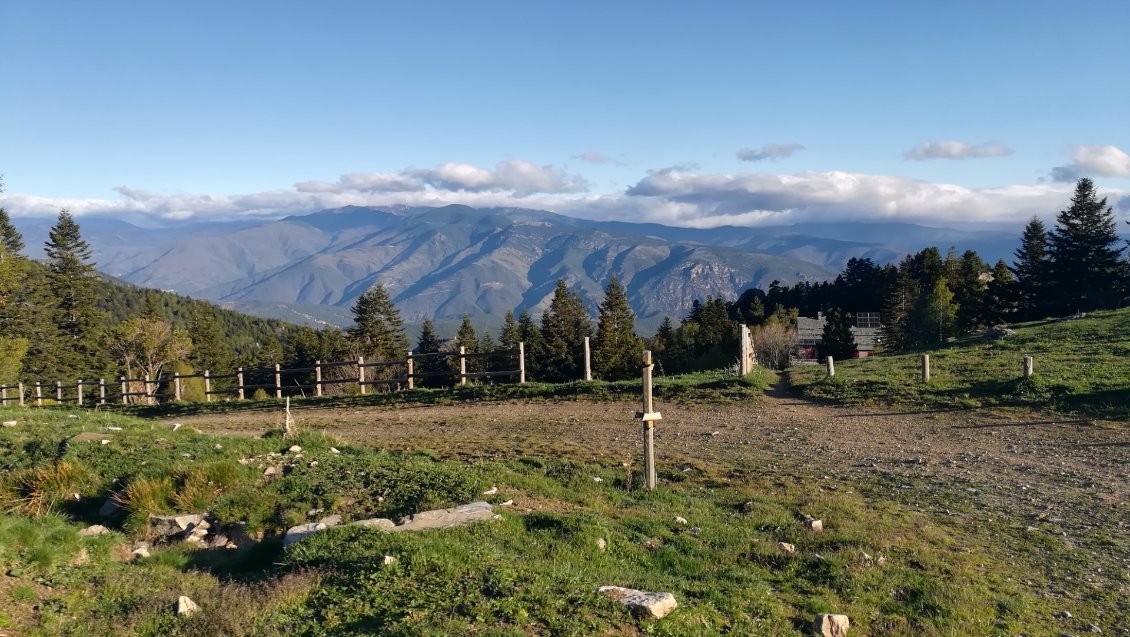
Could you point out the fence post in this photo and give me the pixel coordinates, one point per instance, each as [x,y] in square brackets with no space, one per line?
[207,387]
[278,382]
[648,416]
[462,365]
[317,378]
[361,375]
[4,396]
[239,382]
[1029,366]
[21,390]
[925,368]
[38,394]
[149,398]
[743,362]
[521,362]
[101,391]
[588,360]
[125,391]
[411,371]
[78,389]
[176,386]
[831,366]
[59,391]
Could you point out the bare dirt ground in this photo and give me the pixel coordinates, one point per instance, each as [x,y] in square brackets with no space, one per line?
[1044,474]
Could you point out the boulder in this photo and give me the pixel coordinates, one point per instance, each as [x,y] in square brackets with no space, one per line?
[785,547]
[170,525]
[141,551]
[832,625]
[296,533]
[680,520]
[814,525]
[444,518]
[10,423]
[491,491]
[186,607]
[384,524]
[642,603]
[95,529]
[602,544]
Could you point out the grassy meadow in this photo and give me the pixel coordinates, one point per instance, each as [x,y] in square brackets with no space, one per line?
[1081,366]
[883,560]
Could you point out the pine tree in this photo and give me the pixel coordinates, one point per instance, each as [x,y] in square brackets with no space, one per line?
[563,328]
[1031,270]
[898,312]
[837,340]
[511,333]
[1085,268]
[530,334]
[429,343]
[468,339]
[73,282]
[1000,296]
[11,242]
[968,287]
[210,350]
[378,331]
[617,350]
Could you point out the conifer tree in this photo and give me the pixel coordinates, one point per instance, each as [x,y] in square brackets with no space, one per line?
[617,350]
[1031,270]
[968,287]
[898,312]
[429,343]
[530,334]
[73,282]
[1000,296]
[468,339]
[665,347]
[209,349]
[378,331]
[11,242]
[939,313]
[563,328]
[837,339]
[1085,268]
[511,333]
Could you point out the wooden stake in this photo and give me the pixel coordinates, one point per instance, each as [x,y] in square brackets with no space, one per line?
[462,365]
[925,368]
[176,386]
[361,374]
[239,382]
[411,371]
[521,363]
[101,391]
[78,389]
[207,387]
[21,394]
[278,382]
[59,392]
[588,360]
[317,378]
[1029,366]
[38,395]
[148,394]
[831,366]
[648,416]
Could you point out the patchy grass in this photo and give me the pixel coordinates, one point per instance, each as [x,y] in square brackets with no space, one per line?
[1081,366]
[892,568]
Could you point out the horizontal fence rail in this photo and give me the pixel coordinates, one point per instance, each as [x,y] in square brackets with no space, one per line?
[362,374]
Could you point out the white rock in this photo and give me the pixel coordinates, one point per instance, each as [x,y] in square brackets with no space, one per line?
[785,547]
[296,533]
[680,520]
[105,442]
[72,416]
[602,544]
[814,525]
[832,625]
[141,552]
[642,603]
[491,491]
[334,450]
[597,479]
[295,449]
[94,529]
[390,560]
[175,426]
[383,524]
[217,446]
[108,428]
[10,423]
[331,520]
[170,525]
[507,503]
[186,607]
[444,518]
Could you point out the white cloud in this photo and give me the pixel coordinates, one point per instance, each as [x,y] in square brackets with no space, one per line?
[520,177]
[1105,161]
[950,149]
[772,152]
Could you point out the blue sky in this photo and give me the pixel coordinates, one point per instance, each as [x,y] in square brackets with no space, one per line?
[607,109]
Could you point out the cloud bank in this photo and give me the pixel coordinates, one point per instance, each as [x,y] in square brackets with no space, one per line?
[950,149]
[1105,161]
[682,195]
[770,152]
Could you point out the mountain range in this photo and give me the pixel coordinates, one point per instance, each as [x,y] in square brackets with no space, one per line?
[448,261]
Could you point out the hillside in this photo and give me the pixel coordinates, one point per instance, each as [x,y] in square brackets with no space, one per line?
[1081,366]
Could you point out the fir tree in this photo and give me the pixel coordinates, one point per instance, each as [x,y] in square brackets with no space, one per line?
[563,329]
[468,339]
[1031,270]
[378,331]
[511,333]
[429,343]
[210,350]
[617,350]
[530,334]
[73,282]
[968,287]
[837,340]
[1085,268]
[898,312]
[1000,296]
[11,242]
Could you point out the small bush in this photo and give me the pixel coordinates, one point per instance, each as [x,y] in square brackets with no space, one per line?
[144,496]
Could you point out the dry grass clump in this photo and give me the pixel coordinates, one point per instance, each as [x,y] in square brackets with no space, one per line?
[41,490]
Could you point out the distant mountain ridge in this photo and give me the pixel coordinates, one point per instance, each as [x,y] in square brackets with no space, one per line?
[444,262]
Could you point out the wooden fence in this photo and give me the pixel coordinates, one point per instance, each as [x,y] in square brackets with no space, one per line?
[363,374]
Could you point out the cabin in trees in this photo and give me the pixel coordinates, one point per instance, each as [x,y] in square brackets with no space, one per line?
[865,327]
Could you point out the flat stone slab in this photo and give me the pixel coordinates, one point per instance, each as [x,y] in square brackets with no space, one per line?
[446,518]
[384,524]
[296,533]
[642,603]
